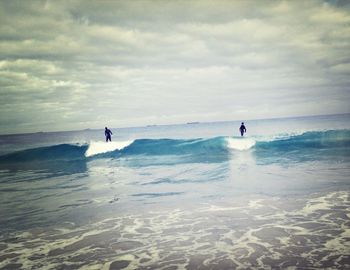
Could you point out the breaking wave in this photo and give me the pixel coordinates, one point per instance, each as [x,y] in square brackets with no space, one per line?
[330,139]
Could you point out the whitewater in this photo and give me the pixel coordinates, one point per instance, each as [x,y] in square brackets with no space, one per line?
[96,148]
[179,196]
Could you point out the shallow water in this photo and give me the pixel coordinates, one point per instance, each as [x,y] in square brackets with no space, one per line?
[179,197]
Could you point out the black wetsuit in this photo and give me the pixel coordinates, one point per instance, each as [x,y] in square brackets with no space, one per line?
[242,129]
[108,133]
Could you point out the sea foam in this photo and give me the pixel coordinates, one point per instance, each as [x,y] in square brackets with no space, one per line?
[240,143]
[96,148]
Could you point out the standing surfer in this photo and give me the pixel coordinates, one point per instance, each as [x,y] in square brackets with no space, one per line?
[108,134]
[242,129]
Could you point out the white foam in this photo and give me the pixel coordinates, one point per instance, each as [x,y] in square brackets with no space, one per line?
[240,143]
[96,148]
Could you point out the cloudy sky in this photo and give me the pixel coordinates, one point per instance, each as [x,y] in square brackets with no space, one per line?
[67,65]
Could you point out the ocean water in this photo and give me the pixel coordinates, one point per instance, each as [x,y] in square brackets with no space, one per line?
[192,196]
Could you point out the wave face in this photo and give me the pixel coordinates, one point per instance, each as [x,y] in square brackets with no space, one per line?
[309,140]
[331,145]
[56,152]
[335,140]
[215,145]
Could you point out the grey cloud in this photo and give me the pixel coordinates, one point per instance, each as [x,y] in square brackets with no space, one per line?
[82,64]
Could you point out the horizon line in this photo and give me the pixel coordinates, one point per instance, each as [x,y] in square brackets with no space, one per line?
[177,124]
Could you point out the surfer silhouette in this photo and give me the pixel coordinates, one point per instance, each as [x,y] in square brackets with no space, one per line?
[108,134]
[242,129]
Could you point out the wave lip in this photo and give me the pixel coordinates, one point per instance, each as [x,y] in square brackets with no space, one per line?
[96,148]
[240,143]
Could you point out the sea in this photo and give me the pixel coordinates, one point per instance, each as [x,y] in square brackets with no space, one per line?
[189,196]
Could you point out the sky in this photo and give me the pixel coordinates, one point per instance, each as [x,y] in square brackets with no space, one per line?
[70,65]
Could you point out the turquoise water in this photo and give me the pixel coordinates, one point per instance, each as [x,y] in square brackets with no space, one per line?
[178,197]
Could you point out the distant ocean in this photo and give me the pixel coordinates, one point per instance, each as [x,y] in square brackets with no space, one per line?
[191,196]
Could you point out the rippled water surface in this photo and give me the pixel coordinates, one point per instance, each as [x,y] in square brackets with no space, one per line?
[193,196]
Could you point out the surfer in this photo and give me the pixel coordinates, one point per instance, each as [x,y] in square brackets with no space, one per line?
[108,134]
[242,129]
